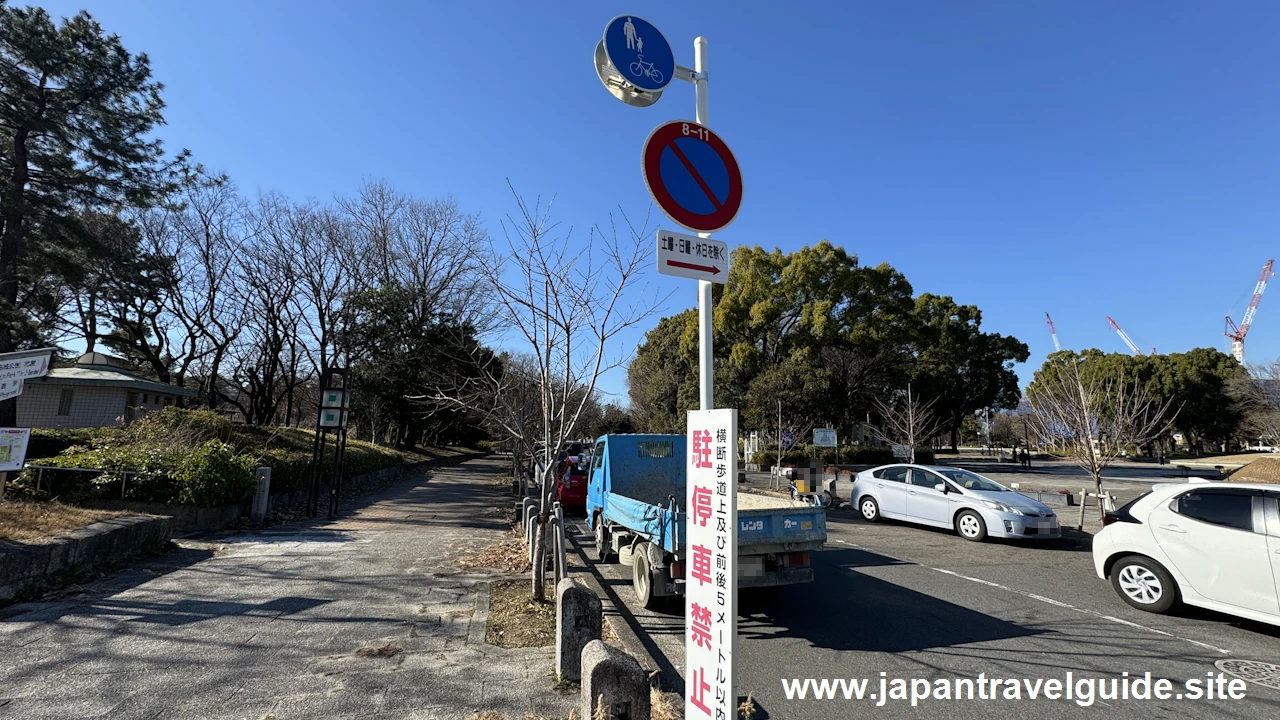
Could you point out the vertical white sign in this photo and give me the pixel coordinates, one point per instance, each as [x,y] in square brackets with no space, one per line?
[711,564]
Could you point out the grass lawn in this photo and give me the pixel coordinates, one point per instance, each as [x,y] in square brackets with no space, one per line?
[33,521]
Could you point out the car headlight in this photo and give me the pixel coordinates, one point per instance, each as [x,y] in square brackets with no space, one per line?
[1001,507]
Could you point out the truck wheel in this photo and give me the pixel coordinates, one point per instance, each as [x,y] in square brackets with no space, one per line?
[627,554]
[642,580]
[603,552]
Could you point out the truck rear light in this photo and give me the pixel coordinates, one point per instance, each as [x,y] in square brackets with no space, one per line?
[798,559]
[677,569]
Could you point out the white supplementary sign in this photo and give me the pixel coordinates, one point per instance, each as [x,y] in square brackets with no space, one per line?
[13,448]
[902,451]
[711,549]
[690,256]
[824,437]
[25,364]
[10,388]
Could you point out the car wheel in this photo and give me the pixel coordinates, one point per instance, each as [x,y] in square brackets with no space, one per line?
[869,508]
[603,551]
[971,526]
[1144,584]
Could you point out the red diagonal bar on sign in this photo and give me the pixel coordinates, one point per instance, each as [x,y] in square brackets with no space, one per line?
[694,172]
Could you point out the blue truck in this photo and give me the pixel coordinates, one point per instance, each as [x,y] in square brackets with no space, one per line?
[635,500]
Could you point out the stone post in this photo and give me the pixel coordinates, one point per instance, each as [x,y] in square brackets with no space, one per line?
[262,495]
[614,679]
[579,620]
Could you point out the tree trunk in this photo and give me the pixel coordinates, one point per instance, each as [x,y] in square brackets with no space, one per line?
[1097,484]
[538,569]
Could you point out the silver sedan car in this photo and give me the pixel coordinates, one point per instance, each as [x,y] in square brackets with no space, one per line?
[974,506]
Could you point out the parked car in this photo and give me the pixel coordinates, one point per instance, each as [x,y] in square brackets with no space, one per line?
[571,480]
[974,506]
[1214,545]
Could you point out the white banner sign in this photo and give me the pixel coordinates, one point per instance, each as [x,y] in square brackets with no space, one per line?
[25,364]
[902,451]
[824,437]
[13,448]
[711,553]
[693,257]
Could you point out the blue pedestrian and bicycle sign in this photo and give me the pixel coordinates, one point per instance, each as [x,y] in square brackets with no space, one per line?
[692,176]
[639,52]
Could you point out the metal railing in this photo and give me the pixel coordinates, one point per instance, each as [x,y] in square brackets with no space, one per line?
[124,474]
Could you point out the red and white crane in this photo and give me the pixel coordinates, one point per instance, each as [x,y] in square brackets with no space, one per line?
[1057,346]
[1125,337]
[1237,333]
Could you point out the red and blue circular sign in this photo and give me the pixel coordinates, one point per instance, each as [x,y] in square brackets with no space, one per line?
[692,175]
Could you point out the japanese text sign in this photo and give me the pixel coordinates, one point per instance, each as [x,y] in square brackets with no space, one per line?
[711,548]
[25,364]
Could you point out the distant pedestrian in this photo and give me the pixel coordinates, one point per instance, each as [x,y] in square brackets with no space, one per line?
[1026,459]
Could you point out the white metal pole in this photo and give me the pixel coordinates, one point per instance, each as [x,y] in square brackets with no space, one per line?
[705,366]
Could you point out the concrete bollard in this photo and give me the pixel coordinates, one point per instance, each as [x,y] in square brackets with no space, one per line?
[614,678]
[579,620]
[262,495]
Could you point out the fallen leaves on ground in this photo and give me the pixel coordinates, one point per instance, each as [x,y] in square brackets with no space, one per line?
[511,556]
[386,651]
[515,620]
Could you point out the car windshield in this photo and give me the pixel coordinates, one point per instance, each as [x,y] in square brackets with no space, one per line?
[971,481]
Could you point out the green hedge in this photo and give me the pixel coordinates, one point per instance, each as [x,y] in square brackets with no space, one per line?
[192,457]
[850,455]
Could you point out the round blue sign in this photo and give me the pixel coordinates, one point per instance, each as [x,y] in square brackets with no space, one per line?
[639,52]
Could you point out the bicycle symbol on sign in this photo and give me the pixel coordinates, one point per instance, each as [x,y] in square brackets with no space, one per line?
[640,67]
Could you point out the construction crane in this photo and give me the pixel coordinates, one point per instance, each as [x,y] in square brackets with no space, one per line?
[1125,337]
[1237,333]
[1057,346]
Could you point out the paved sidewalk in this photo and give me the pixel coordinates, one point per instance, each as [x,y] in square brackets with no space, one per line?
[364,617]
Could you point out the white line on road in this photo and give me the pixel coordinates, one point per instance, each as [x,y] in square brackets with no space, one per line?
[1049,601]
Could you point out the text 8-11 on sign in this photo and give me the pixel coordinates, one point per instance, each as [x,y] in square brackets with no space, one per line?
[711,545]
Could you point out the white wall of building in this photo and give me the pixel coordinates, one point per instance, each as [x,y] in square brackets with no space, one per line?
[90,406]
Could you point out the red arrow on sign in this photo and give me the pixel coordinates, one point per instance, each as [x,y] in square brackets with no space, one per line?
[690,266]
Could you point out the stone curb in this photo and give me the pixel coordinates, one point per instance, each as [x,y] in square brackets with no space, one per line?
[628,636]
[24,569]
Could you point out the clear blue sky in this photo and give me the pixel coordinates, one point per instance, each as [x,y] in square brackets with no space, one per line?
[1084,158]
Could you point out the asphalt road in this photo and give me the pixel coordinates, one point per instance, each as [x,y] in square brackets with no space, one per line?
[914,602]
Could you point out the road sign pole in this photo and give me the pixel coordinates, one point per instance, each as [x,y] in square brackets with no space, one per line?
[706,380]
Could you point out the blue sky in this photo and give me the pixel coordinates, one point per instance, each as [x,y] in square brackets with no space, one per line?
[1082,158]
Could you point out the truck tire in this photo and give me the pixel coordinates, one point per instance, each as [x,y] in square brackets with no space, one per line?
[603,552]
[642,579]
[627,555]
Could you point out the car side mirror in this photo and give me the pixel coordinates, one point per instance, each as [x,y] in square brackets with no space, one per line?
[940,487]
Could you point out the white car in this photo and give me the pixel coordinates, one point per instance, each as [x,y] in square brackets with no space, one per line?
[974,506]
[1214,545]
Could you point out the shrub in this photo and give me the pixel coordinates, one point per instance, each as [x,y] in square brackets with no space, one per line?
[47,442]
[178,427]
[214,475]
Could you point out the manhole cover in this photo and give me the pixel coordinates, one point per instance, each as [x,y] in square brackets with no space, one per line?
[1252,671]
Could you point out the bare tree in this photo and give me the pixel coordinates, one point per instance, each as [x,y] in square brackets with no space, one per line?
[907,420]
[202,234]
[564,302]
[1256,392]
[1096,419]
